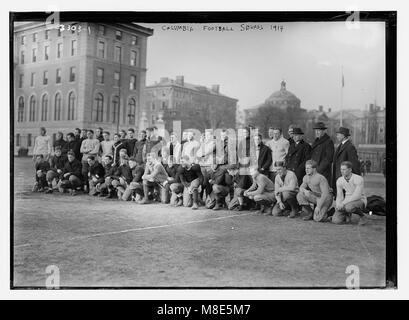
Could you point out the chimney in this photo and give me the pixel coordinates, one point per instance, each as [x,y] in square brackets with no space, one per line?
[216,88]
[320,108]
[180,80]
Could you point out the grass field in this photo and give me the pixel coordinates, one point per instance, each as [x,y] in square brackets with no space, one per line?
[109,243]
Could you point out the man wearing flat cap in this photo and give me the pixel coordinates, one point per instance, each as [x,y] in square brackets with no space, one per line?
[345,151]
[322,150]
[298,154]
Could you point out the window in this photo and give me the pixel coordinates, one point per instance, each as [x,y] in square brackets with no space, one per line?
[59,50]
[101,49]
[47,34]
[72,74]
[73,47]
[58,32]
[134,40]
[32,81]
[58,76]
[99,107]
[29,140]
[57,107]
[35,37]
[164,105]
[100,75]
[118,35]
[153,106]
[134,58]
[101,30]
[115,108]
[20,112]
[21,80]
[34,54]
[22,57]
[46,52]
[44,108]
[71,106]
[131,111]
[17,140]
[117,54]
[45,77]
[132,83]
[116,79]
[23,40]
[32,108]
[153,119]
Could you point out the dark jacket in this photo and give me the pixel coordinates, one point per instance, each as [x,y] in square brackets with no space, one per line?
[74,168]
[125,172]
[345,152]
[219,176]
[44,166]
[138,151]
[265,159]
[322,151]
[297,155]
[187,176]
[172,172]
[110,171]
[130,145]
[97,171]
[57,162]
[137,173]
[59,143]
[73,146]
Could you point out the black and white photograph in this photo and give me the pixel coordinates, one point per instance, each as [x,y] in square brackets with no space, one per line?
[198,150]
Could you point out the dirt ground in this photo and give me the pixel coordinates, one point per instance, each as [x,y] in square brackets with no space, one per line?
[108,243]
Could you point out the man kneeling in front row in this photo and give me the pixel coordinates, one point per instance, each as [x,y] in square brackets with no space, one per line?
[286,188]
[314,190]
[261,191]
[354,200]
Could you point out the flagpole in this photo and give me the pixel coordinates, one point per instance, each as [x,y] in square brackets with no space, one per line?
[342,95]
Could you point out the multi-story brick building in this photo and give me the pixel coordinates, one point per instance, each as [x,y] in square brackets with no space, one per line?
[84,75]
[195,106]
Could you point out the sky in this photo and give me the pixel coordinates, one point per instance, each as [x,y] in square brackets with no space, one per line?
[250,62]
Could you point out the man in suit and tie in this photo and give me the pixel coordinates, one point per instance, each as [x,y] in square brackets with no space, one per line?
[298,154]
[345,151]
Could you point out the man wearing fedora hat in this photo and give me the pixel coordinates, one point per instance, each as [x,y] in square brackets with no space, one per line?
[298,154]
[322,150]
[345,151]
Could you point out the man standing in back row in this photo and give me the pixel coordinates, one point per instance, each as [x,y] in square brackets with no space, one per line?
[322,151]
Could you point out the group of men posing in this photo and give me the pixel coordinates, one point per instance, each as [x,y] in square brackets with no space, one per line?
[279,177]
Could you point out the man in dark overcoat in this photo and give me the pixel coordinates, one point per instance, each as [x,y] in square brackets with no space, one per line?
[345,151]
[298,153]
[322,151]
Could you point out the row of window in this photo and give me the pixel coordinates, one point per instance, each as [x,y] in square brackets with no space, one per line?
[101,53]
[45,79]
[32,116]
[101,79]
[98,111]
[34,52]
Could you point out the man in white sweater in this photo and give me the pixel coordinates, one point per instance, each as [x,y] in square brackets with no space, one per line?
[279,149]
[354,200]
[42,145]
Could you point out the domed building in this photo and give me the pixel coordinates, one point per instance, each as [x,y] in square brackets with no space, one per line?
[283,98]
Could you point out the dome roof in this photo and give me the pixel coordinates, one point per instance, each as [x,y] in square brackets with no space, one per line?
[282,95]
